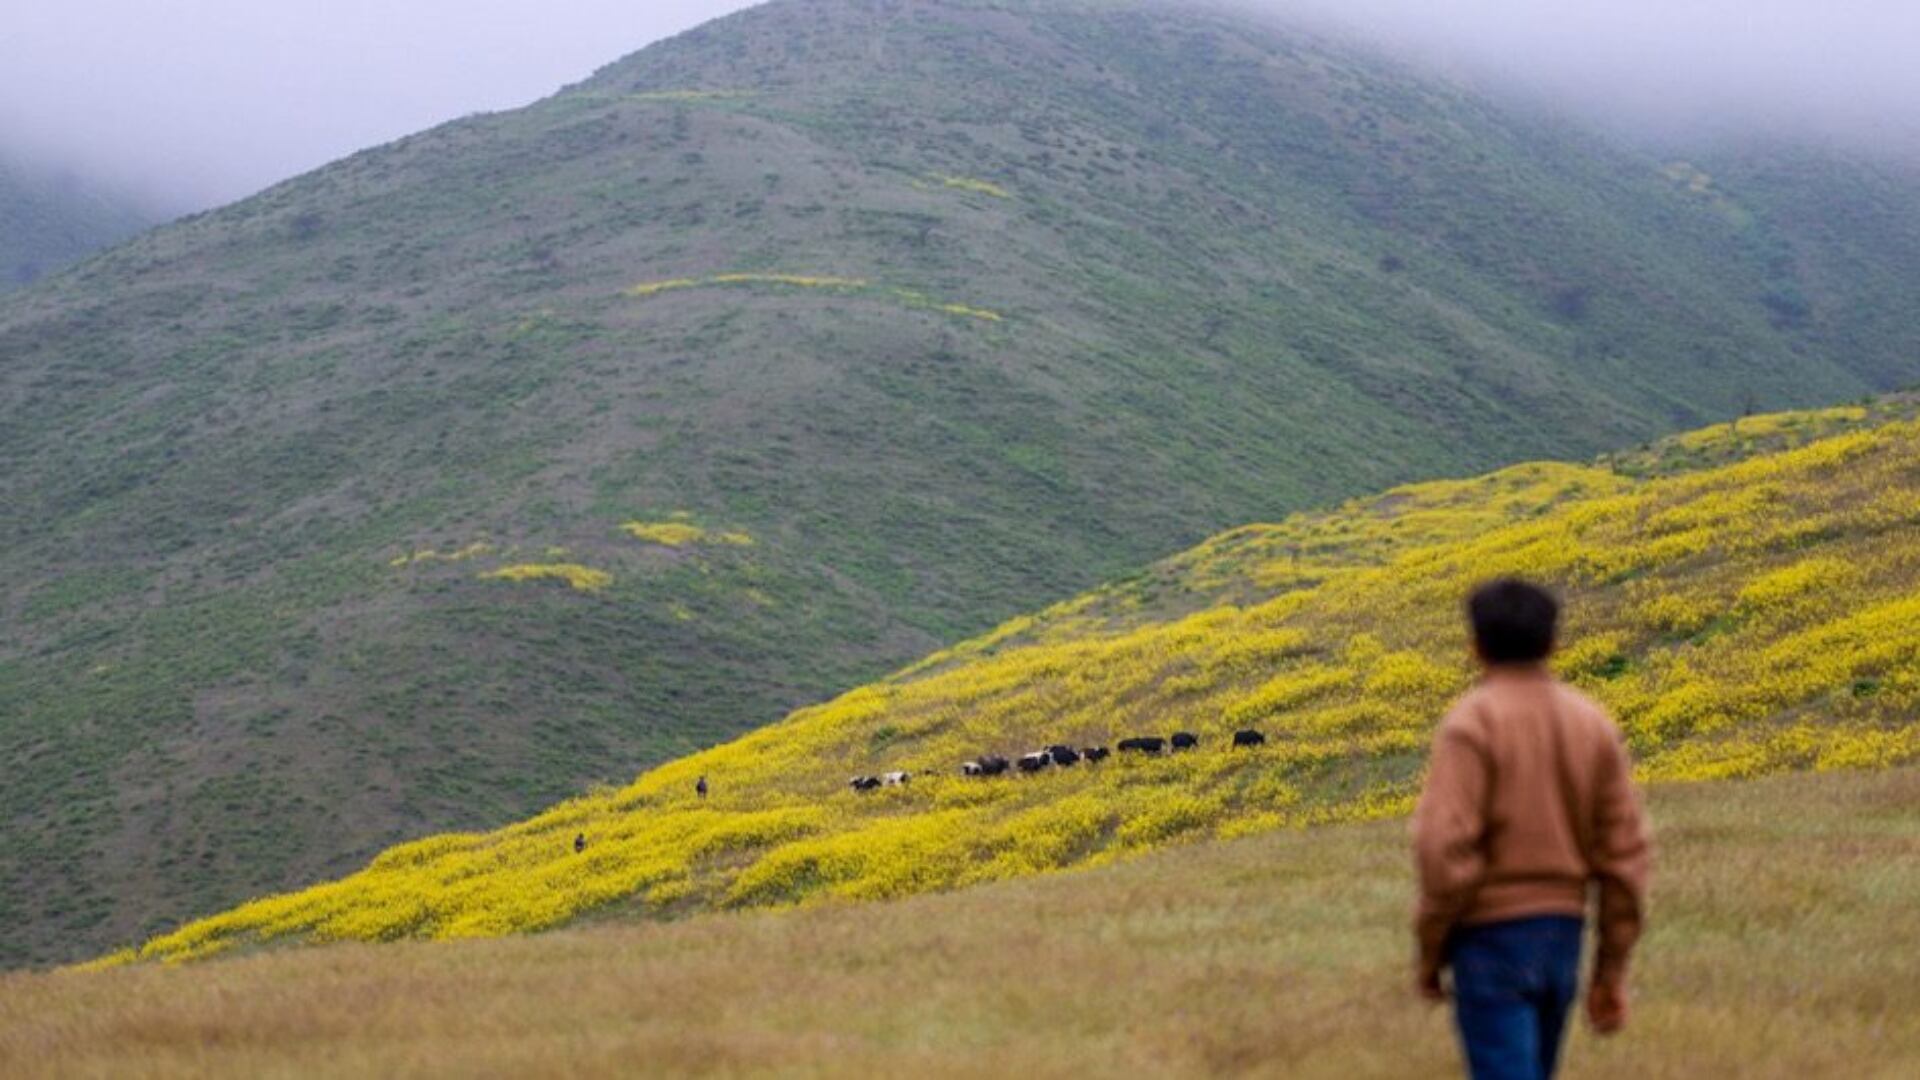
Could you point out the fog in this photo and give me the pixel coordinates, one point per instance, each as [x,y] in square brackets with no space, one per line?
[197,102]
[191,103]
[1824,70]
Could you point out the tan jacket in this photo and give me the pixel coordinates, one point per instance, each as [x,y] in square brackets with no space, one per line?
[1528,803]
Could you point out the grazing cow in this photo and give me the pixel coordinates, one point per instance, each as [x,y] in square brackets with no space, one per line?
[1034,762]
[1185,740]
[1249,738]
[580,843]
[972,768]
[864,783]
[1063,755]
[1143,744]
[993,766]
[1094,753]
[895,779]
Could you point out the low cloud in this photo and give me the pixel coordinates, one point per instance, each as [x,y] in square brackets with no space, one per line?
[1826,69]
[197,102]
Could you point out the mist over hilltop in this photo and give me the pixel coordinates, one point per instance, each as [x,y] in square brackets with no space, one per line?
[200,103]
[1837,73]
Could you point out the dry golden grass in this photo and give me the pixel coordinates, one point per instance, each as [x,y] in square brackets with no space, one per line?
[1783,945]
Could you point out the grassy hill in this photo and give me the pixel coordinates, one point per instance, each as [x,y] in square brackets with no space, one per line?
[1769,954]
[48,220]
[1743,598]
[430,488]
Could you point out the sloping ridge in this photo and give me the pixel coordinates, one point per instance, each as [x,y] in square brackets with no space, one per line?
[1745,599]
[437,485]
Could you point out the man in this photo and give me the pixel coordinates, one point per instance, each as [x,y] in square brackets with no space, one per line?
[1529,804]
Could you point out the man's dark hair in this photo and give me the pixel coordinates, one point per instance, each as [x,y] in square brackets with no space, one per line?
[1513,621]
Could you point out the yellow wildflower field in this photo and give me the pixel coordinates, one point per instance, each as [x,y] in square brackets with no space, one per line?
[1760,613]
[471,551]
[1283,954]
[577,577]
[853,285]
[682,533]
[980,187]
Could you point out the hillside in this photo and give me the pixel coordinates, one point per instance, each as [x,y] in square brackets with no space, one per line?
[49,220]
[435,486]
[1282,954]
[1745,601]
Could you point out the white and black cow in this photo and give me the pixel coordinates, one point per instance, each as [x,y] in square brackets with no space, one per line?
[864,783]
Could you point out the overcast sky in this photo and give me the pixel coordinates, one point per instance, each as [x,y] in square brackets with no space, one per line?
[202,101]
[1841,68]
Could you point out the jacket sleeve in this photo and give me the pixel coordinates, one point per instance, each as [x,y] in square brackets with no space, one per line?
[1449,825]
[1622,860]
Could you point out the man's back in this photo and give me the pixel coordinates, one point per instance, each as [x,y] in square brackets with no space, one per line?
[1529,803]
[1529,799]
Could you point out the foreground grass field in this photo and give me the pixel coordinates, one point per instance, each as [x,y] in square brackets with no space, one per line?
[1777,949]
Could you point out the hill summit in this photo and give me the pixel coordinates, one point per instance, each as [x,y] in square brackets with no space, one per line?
[432,487]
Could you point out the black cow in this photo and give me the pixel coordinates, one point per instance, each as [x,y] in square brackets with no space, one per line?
[993,766]
[1034,762]
[1185,740]
[1094,753]
[864,783]
[1063,755]
[1249,738]
[1143,744]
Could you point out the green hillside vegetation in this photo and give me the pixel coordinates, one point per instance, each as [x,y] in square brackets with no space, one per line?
[49,220]
[1772,952]
[314,530]
[1744,599]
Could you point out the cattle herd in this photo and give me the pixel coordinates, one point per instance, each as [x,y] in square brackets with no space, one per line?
[1060,757]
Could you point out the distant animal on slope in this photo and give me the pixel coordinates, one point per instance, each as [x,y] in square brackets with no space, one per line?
[895,779]
[1185,740]
[1034,762]
[580,843]
[864,783]
[1249,738]
[700,787]
[1094,753]
[1143,744]
[986,766]
[1063,755]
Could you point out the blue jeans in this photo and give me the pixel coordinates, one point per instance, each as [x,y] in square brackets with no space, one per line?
[1513,985]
